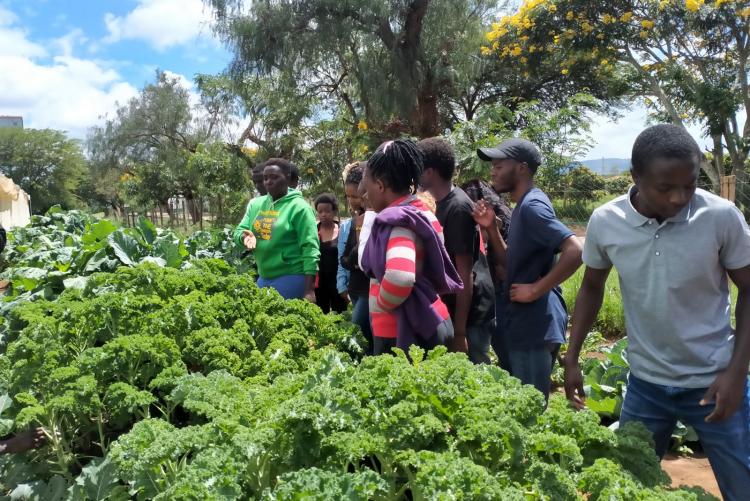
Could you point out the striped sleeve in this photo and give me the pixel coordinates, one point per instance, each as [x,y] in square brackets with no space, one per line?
[400,269]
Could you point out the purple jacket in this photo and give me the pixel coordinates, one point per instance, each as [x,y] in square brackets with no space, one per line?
[416,315]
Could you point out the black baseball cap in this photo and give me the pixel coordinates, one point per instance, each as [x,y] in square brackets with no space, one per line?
[517,149]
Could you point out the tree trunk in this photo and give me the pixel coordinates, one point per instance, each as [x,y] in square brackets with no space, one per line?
[192,208]
[427,116]
[165,207]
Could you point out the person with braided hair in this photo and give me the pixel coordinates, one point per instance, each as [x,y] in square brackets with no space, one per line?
[404,255]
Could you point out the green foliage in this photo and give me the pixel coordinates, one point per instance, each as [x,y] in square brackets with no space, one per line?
[155,382]
[611,319]
[582,184]
[44,163]
[60,250]
[617,185]
[95,361]
[605,380]
[562,135]
[384,429]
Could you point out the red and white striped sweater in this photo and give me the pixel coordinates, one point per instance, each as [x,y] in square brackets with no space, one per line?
[404,258]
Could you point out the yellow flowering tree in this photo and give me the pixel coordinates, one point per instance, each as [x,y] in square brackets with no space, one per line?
[688,59]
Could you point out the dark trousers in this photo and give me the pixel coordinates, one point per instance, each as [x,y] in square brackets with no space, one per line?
[326,295]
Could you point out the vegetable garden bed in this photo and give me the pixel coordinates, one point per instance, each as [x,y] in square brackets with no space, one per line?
[162,383]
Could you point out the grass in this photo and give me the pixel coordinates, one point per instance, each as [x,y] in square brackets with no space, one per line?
[611,320]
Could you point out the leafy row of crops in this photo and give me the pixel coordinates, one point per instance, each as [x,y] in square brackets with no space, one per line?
[155,382]
[61,249]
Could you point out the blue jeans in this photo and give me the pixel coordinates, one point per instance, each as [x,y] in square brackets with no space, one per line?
[534,367]
[727,443]
[499,340]
[478,338]
[361,318]
[289,286]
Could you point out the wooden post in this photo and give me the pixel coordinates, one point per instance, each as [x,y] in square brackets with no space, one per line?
[200,212]
[729,187]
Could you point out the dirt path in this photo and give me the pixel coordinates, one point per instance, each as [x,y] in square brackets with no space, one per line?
[691,471]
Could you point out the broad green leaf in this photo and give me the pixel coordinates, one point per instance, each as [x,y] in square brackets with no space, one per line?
[99,231]
[6,425]
[54,490]
[606,406]
[153,260]
[126,247]
[29,278]
[173,251]
[76,282]
[98,481]
[147,229]
[100,261]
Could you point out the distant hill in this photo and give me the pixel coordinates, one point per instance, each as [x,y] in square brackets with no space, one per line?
[608,166]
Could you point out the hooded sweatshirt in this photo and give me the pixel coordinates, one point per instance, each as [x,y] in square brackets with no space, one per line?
[286,235]
[409,266]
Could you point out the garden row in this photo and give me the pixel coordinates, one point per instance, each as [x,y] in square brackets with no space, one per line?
[154,382]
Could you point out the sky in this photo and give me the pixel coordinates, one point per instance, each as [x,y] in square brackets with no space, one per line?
[65,64]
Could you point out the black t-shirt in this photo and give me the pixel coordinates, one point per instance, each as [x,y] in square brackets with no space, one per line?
[462,237]
[329,256]
[359,283]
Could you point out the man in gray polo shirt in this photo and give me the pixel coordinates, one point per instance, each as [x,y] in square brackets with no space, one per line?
[673,246]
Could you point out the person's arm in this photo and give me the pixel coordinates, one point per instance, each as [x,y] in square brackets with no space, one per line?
[485,217]
[728,390]
[342,274]
[24,441]
[400,269]
[588,303]
[245,225]
[307,232]
[567,264]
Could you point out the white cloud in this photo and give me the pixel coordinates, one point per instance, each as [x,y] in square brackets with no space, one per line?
[13,39]
[66,43]
[161,23]
[614,139]
[61,92]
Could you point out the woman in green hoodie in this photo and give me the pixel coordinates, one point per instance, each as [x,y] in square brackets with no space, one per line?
[280,229]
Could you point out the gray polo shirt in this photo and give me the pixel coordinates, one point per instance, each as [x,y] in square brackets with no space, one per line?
[674,284]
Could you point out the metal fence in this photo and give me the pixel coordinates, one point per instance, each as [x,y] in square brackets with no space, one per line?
[574,206]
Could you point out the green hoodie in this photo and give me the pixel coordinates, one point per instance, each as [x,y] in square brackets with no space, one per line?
[286,235]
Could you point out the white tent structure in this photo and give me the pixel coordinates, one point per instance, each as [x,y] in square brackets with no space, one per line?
[14,204]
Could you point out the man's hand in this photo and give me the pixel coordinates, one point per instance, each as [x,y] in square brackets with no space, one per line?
[344,296]
[459,343]
[310,296]
[573,381]
[24,441]
[727,390]
[524,293]
[484,215]
[248,239]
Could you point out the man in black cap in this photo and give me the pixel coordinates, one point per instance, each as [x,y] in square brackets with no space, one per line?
[535,316]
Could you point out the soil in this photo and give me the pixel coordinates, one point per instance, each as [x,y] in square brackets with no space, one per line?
[692,471]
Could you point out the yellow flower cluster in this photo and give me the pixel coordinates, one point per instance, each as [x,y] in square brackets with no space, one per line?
[362,125]
[510,37]
[647,25]
[693,5]
[744,12]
